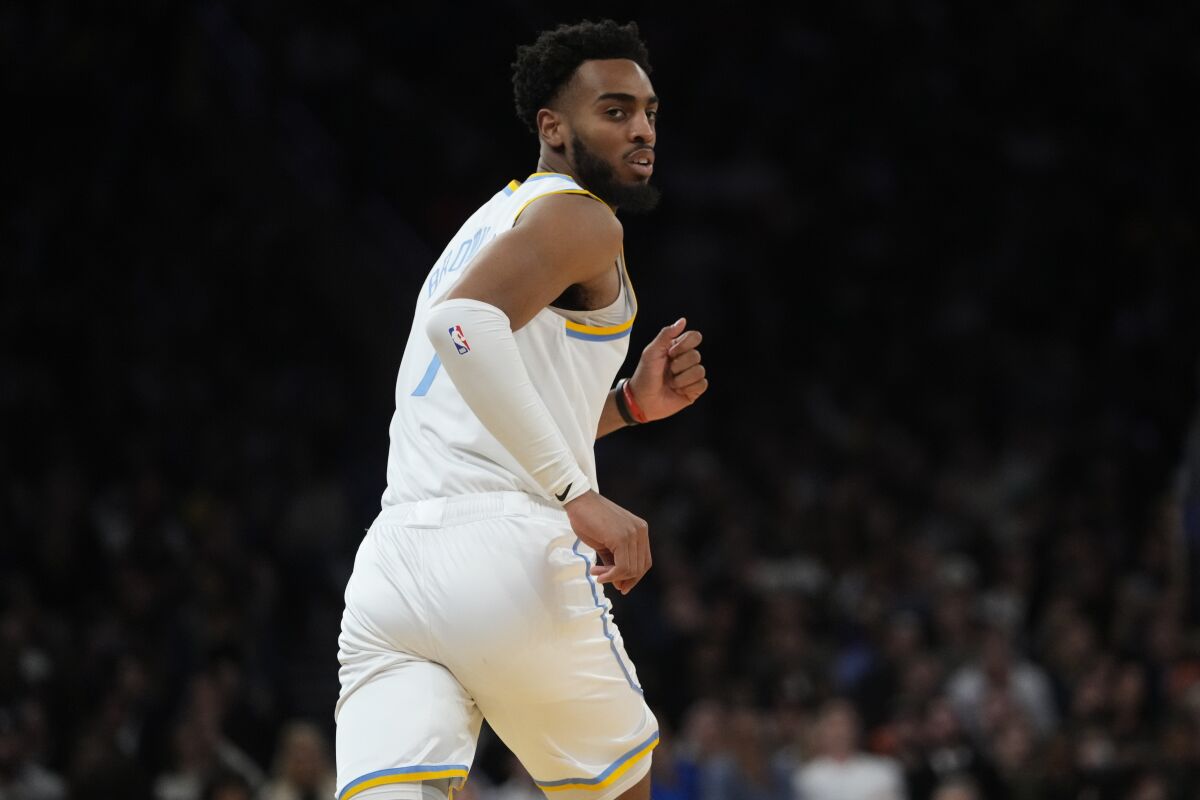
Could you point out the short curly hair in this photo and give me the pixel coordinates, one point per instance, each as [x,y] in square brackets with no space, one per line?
[544,67]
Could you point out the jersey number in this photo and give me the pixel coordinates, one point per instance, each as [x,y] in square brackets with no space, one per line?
[430,373]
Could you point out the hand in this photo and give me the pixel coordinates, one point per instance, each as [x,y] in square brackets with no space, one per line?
[620,539]
[669,376]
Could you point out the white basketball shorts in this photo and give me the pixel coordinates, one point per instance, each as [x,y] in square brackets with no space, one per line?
[483,606]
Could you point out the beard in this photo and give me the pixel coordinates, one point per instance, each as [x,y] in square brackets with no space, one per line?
[599,178]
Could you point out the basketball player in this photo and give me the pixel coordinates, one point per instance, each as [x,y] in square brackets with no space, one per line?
[477,592]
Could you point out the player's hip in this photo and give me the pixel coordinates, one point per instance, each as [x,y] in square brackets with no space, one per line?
[497,571]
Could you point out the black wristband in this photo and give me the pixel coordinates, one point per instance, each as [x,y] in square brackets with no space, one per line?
[623,409]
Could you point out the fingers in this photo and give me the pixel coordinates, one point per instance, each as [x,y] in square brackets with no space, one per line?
[683,343]
[625,567]
[667,336]
[681,362]
[639,564]
[690,387]
[686,375]
[686,378]
[644,558]
[624,573]
[617,576]
[620,540]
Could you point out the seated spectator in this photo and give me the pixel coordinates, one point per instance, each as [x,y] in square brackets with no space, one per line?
[674,776]
[957,788]
[21,778]
[519,784]
[200,754]
[946,752]
[745,769]
[1012,752]
[998,671]
[227,786]
[1150,786]
[841,771]
[302,769]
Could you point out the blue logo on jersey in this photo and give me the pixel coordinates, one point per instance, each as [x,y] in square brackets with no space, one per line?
[460,341]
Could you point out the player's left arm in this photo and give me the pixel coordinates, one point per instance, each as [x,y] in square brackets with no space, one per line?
[668,378]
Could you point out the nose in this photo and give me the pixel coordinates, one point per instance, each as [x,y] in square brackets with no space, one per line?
[640,130]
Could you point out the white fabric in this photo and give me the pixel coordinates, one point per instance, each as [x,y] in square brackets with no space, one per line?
[475,343]
[471,595]
[860,777]
[405,791]
[1027,686]
[484,604]
[439,447]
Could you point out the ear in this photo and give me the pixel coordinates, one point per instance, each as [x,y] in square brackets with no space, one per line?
[552,128]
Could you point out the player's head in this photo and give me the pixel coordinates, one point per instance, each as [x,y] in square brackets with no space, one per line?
[585,90]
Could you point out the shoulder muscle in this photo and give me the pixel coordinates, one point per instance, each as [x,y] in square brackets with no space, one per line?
[558,241]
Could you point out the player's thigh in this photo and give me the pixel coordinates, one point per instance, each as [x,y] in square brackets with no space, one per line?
[639,791]
[564,695]
[408,721]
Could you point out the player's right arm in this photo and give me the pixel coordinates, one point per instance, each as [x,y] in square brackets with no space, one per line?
[559,241]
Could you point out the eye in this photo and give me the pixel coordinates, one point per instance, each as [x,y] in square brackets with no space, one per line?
[616,113]
[652,114]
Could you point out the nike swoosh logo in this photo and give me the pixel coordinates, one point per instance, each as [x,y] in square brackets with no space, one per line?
[565,492]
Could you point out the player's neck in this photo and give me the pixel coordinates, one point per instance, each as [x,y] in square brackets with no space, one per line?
[552,162]
[556,165]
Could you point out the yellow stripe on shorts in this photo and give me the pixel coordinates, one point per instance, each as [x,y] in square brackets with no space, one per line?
[606,778]
[421,772]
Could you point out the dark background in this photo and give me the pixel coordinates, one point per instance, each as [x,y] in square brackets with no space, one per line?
[945,263]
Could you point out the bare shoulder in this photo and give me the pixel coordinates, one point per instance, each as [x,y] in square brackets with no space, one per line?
[576,222]
[559,240]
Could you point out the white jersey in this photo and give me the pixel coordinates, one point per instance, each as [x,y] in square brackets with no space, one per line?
[439,448]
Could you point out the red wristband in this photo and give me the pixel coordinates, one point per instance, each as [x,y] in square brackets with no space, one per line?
[634,408]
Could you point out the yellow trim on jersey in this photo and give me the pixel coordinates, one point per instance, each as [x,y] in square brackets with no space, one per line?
[628,283]
[599,333]
[616,773]
[403,777]
[513,185]
[581,331]
[543,174]
[521,210]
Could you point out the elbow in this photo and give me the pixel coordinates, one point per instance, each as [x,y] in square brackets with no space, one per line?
[451,324]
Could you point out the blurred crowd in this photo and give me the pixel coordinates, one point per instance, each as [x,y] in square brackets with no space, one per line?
[933,533]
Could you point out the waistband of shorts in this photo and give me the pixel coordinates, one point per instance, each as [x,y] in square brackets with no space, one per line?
[440,512]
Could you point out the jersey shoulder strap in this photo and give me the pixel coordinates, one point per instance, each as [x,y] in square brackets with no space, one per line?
[544,184]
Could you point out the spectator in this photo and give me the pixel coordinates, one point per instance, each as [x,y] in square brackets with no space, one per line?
[1012,752]
[518,785]
[201,753]
[997,674]
[227,786]
[956,789]
[841,771]
[1150,786]
[745,769]
[675,776]
[21,778]
[302,769]
[947,752]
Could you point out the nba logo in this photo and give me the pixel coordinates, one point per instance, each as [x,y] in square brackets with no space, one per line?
[460,341]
